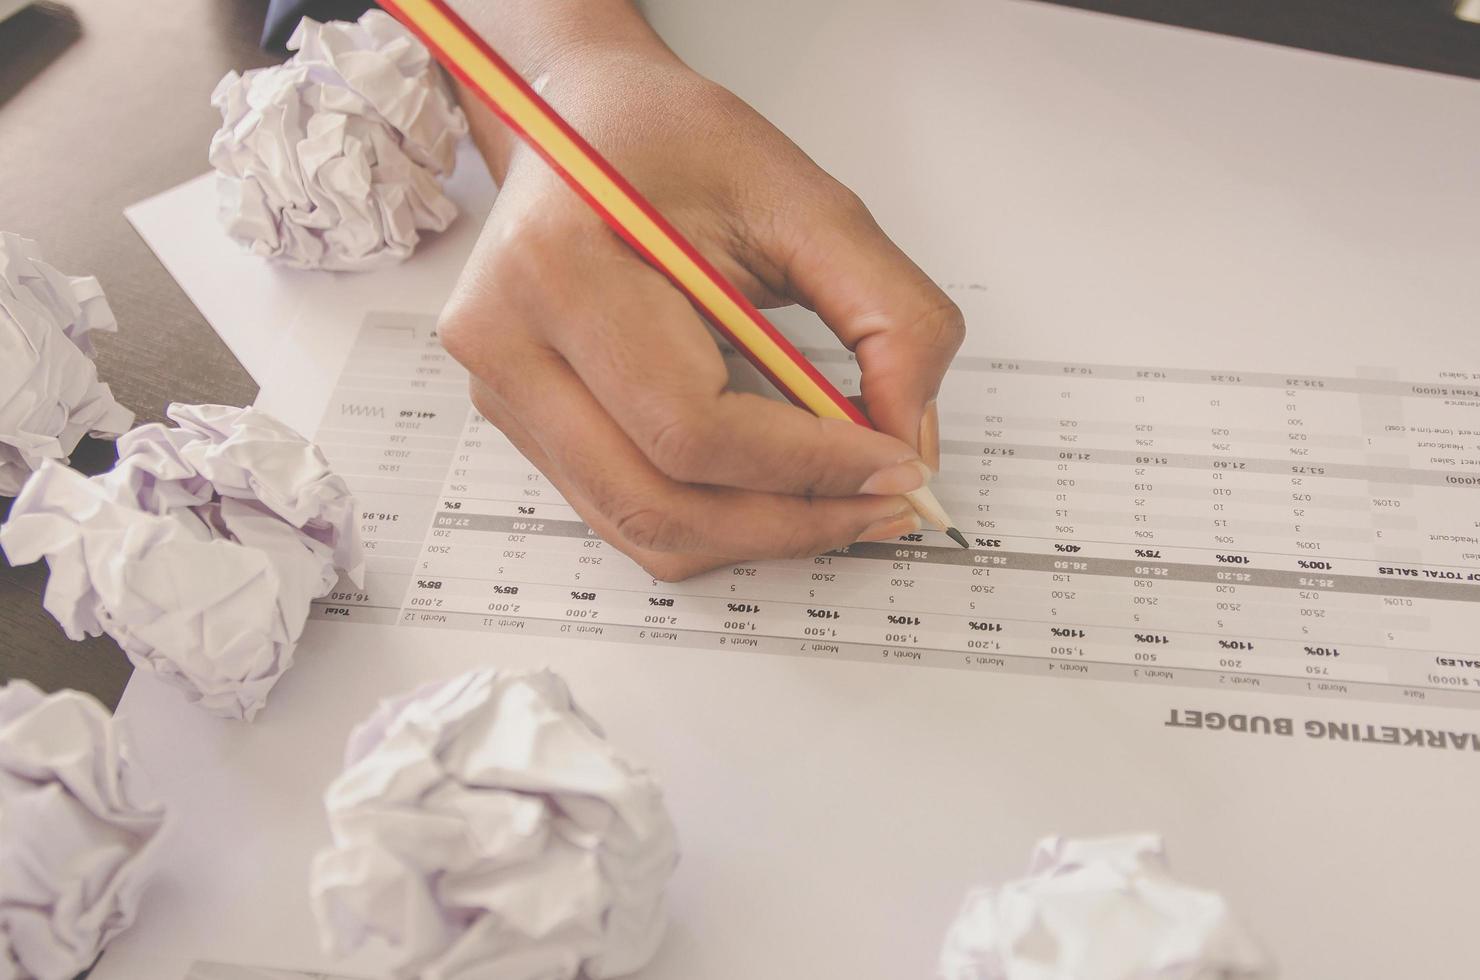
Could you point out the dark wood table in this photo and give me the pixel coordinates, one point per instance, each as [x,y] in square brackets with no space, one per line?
[105,102]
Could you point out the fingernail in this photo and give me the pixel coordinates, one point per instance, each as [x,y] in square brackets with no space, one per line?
[897,479]
[930,438]
[905,522]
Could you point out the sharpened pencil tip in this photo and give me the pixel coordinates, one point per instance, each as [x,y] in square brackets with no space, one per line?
[957,537]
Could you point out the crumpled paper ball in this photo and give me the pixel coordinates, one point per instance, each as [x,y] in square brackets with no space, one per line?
[483,827]
[1099,909]
[78,832]
[332,160]
[50,395]
[199,552]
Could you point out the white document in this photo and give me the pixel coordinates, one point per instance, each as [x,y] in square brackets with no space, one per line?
[1182,526]
[291,327]
[1190,265]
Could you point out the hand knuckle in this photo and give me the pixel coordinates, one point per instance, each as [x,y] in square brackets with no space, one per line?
[678,446]
[459,334]
[940,326]
[490,353]
[647,527]
[841,199]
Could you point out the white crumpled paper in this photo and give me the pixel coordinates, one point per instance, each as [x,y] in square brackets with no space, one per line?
[1099,909]
[199,552]
[483,827]
[78,833]
[332,160]
[50,395]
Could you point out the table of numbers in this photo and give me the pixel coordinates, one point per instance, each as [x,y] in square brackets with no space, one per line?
[1158,525]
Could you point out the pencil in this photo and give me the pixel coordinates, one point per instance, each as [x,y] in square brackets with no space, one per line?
[469,58]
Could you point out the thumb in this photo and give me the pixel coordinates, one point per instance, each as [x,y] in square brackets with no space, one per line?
[901,326]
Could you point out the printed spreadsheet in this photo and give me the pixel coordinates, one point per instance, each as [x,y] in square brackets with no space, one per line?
[1183,526]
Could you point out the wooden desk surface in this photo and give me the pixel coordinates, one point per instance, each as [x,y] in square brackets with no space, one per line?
[104,102]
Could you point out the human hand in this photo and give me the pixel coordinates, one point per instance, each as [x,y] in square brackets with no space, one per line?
[601,372]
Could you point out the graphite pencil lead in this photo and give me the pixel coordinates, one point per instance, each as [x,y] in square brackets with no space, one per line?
[957,537]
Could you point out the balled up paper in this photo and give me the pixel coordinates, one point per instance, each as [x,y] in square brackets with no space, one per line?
[332,160]
[50,395]
[78,833]
[483,827]
[1099,909]
[199,552]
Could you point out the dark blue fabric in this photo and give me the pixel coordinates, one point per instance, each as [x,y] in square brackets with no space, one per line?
[283,16]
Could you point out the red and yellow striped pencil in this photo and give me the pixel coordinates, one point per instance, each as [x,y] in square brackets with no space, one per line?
[470,59]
